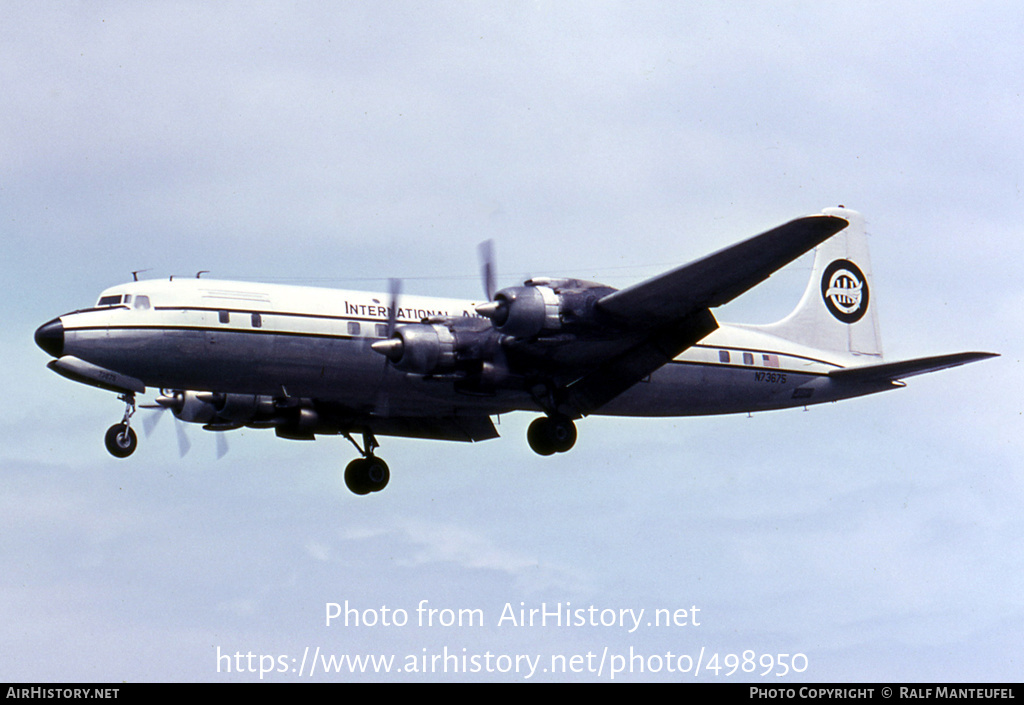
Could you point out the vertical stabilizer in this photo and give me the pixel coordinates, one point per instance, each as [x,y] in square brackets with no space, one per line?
[838,311]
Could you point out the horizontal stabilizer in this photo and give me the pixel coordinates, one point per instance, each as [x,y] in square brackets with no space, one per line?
[892,371]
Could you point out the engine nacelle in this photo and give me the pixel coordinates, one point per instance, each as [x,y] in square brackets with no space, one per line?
[241,408]
[208,407]
[300,424]
[544,306]
[524,311]
[420,348]
[191,407]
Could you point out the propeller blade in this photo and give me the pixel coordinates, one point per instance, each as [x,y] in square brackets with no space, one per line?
[150,421]
[381,401]
[183,443]
[395,289]
[173,401]
[222,445]
[485,250]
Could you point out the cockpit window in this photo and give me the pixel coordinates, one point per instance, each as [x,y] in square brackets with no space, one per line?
[142,301]
[110,300]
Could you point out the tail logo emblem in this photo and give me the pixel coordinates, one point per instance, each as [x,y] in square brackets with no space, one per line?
[845,291]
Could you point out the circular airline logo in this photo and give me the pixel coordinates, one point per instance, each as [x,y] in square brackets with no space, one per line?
[845,291]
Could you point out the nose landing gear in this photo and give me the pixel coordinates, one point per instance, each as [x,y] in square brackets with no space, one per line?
[121,440]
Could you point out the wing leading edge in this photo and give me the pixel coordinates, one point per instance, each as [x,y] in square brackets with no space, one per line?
[722,276]
[674,307]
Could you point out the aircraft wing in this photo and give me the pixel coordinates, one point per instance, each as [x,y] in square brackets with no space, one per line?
[893,371]
[720,277]
[608,380]
[673,309]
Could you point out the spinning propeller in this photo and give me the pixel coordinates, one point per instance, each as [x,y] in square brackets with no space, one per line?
[488,273]
[494,309]
[179,403]
[390,347]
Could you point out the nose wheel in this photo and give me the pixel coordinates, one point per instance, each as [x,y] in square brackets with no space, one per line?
[121,440]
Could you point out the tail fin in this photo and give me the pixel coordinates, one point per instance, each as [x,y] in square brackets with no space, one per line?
[838,311]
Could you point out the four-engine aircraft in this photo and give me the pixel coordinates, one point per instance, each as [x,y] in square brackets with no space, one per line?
[309,361]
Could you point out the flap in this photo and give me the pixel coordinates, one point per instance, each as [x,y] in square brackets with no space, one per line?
[444,428]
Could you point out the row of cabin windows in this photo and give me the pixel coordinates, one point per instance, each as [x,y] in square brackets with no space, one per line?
[748,358]
[354,327]
[256,319]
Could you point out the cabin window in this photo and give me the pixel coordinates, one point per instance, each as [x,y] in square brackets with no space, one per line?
[723,356]
[142,302]
[353,328]
[748,358]
[382,330]
[257,320]
[224,316]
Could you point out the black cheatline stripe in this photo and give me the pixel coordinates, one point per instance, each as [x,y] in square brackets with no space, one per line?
[766,352]
[751,368]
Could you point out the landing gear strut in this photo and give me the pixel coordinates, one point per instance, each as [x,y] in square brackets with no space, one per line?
[121,440]
[369,473]
[551,434]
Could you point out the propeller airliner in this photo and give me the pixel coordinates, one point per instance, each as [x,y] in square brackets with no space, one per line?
[311,361]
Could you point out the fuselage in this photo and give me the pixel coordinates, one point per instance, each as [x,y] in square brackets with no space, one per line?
[307,342]
[308,361]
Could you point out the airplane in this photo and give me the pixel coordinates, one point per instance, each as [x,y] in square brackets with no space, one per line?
[310,361]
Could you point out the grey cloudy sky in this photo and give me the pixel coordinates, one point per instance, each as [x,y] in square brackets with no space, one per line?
[345,143]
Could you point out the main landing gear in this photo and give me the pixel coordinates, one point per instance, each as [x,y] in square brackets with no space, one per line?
[369,473]
[121,440]
[551,434]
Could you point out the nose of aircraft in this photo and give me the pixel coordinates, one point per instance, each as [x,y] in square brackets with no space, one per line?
[50,337]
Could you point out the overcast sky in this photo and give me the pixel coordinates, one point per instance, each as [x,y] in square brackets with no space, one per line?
[345,143]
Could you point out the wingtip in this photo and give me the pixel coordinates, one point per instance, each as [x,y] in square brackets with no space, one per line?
[836,221]
[977,356]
